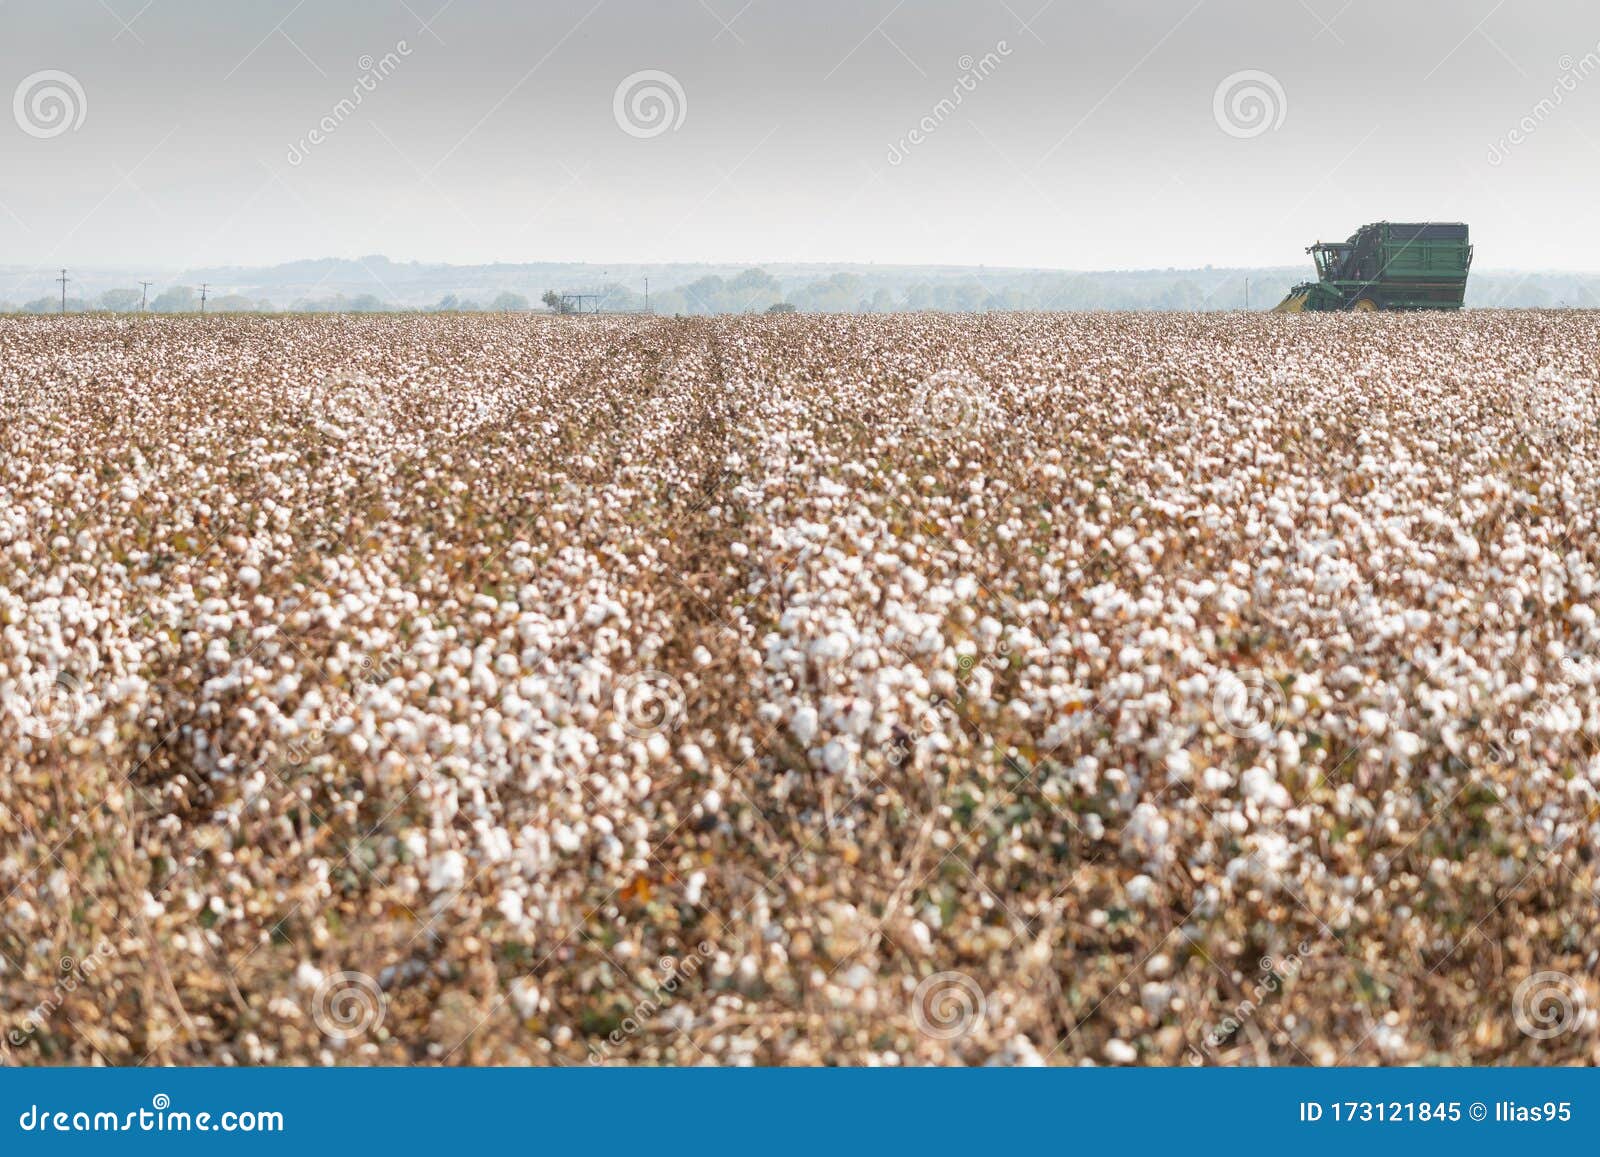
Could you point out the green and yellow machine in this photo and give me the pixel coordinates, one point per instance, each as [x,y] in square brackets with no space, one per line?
[1387,265]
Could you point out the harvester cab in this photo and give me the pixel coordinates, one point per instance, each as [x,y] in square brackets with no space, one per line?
[1387,265]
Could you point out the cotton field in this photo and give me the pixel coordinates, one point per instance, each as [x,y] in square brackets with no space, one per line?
[1005,689]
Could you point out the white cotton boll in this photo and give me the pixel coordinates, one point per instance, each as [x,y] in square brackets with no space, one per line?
[308,976]
[249,577]
[858,718]
[694,887]
[1140,889]
[1120,1052]
[1155,997]
[1288,751]
[1405,744]
[804,724]
[510,906]
[1148,827]
[447,872]
[836,757]
[832,646]
[1256,785]
[525,997]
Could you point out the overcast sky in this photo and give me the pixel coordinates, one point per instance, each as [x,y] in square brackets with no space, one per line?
[173,133]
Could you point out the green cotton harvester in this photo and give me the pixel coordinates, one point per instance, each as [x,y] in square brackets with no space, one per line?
[1388,265]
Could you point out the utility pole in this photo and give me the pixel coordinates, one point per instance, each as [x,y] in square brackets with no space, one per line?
[647,295]
[203,288]
[1247,293]
[63,279]
[144,294]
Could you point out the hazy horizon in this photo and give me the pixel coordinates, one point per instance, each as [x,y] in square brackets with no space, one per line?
[375,283]
[1046,135]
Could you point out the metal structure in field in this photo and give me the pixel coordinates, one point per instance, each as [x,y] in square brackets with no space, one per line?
[580,303]
[1388,265]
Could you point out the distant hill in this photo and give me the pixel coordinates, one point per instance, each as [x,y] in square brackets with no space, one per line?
[377,283]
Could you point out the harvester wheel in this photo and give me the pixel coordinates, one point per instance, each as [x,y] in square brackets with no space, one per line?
[1364,304]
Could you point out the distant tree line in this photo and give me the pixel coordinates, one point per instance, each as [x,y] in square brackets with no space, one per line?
[893,290]
[186,299]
